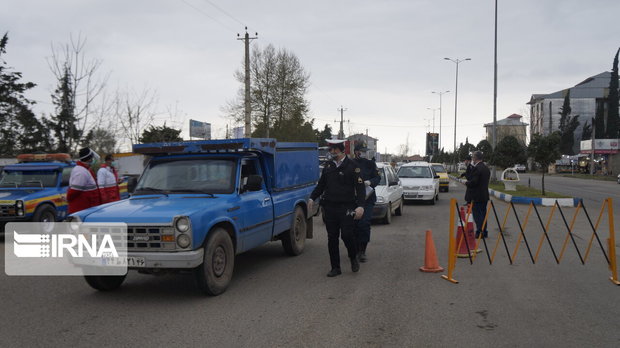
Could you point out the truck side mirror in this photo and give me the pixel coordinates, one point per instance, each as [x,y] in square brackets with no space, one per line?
[255,183]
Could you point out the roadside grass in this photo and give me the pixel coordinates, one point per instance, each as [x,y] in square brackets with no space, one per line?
[524,191]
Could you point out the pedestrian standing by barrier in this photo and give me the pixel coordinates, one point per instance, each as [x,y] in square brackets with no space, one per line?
[371,177]
[107,179]
[343,202]
[479,186]
[467,175]
[83,192]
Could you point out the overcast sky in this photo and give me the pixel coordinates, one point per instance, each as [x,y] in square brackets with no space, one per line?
[378,59]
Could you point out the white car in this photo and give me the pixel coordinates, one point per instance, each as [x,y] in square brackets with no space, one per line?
[420,182]
[389,195]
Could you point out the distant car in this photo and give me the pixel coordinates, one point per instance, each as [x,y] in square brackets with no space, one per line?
[520,168]
[389,195]
[444,180]
[618,178]
[420,182]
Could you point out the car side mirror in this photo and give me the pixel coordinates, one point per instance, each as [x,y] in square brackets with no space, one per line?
[255,183]
[393,183]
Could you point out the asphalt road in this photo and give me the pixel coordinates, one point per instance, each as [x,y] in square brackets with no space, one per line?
[280,301]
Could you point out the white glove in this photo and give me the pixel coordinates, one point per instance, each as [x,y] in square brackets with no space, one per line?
[367,182]
[359,212]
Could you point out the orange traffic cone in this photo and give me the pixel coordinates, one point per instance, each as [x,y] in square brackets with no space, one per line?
[431,264]
[469,234]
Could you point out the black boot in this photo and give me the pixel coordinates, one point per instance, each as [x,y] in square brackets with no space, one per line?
[334,272]
[355,265]
[362,253]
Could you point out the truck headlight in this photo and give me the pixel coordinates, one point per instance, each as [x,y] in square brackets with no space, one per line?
[19,204]
[183,241]
[182,224]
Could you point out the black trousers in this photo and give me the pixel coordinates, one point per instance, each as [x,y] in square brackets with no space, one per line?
[479,210]
[339,224]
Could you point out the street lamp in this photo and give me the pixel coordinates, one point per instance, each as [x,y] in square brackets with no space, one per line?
[440,94]
[456,93]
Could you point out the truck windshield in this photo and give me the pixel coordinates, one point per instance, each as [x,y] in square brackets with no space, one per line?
[188,176]
[28,178]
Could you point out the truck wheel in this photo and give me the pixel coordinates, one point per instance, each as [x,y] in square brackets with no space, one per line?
[294,239]
[387,219]
[105,283]
[216,271]
[45,214]
[399,210]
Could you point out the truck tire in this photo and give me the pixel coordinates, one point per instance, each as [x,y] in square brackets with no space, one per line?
[215,273]
[294,239]
[105,283]
[45,214]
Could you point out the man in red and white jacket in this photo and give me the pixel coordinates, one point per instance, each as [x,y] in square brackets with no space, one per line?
[83,192]
[107,179]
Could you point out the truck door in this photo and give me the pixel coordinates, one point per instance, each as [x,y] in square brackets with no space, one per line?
[256,208]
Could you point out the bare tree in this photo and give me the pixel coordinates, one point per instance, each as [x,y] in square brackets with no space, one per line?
[86,81]
[135,112]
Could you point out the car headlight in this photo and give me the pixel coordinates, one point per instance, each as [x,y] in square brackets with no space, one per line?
[183,240]
[182,224]
[380,199]
[428,187]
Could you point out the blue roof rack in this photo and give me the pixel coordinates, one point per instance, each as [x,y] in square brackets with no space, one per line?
[267,145]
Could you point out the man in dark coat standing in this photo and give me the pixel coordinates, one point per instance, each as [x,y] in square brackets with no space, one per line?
[479,186]
[343,202]
[371,177]
[469,168]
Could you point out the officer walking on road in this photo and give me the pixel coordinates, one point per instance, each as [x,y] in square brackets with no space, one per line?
[343,202]
[371,177]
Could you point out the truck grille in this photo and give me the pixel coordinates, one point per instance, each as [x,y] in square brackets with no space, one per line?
[8,210]
[150,238]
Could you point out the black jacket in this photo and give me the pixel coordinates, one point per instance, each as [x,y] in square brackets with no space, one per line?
[467,175]
[370,172]
[479,183]
[340,185]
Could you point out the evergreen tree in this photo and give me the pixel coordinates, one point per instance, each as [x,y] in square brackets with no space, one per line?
[486,148]
[509,151]
[160,134]
[568,124]
[544,150]
[64,122]
[613,119]
[465,149]
[20,130]
[586,132]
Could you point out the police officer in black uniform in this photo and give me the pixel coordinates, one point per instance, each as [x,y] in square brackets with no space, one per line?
[343,202]
[371,177]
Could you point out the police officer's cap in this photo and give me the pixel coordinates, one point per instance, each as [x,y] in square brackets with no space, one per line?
[361,148]
[335,143]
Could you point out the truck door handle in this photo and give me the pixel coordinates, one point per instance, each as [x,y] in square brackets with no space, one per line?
[267,199]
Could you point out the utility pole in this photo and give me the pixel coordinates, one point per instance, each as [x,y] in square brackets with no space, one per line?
[248,108]
[440,94]
[493,174]
[341,132]
[592,150]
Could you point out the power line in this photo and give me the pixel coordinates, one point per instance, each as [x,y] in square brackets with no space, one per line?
[208,15]
[226,13]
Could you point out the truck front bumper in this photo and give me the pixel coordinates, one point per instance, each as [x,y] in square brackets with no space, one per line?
[182,259]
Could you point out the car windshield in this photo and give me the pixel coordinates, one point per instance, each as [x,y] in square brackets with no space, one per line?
[188,176]
[414,172]
[28,178]
[439,168]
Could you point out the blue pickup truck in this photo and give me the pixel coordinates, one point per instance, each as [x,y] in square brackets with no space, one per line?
[35,188]
[198,204]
